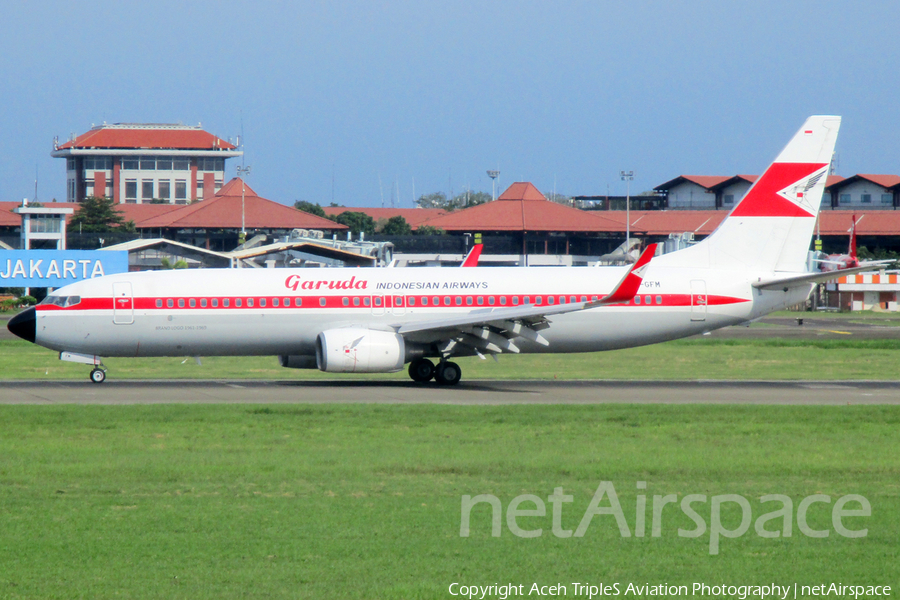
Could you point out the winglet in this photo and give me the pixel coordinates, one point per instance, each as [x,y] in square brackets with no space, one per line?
[472,257]
[631,283]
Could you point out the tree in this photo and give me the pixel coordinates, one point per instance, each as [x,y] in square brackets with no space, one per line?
[396,226]
[469,198]
[429,230]
[357,222]
[97,215]
[462,200]
[310,207]
[435,200]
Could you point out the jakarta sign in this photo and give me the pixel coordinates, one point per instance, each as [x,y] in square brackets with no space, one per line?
[56,268]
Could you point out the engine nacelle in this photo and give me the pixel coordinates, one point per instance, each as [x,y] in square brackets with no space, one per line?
[298,361]
[356,350]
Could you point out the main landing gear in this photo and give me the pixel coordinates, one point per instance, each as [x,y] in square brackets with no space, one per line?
[445,373]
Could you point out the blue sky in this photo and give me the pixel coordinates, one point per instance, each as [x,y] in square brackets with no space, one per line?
[382,96]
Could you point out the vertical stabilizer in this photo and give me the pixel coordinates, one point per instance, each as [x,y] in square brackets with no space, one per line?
[771,228]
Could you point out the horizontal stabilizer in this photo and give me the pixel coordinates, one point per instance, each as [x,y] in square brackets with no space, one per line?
[808,278]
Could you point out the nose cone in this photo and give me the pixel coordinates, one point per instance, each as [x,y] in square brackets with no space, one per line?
[24,325]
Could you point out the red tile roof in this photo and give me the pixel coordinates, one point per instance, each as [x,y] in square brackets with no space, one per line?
[413,216]
[11,219]
[704,181]
[523,208]
[186,138]
[885,181]
[224,211]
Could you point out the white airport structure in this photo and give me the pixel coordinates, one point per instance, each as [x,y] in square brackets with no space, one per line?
[140,163]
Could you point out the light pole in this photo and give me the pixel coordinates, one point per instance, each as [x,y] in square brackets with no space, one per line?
[240,172]
[627,176]
[493,175]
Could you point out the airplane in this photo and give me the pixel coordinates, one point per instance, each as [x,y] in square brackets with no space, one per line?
[370,320]
[841,262]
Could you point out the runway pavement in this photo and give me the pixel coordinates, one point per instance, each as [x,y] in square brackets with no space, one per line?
[467,393]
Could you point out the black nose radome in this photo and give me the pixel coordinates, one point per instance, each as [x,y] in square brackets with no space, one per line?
[24,325]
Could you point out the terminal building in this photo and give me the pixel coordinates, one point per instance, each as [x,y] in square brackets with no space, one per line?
[135,163]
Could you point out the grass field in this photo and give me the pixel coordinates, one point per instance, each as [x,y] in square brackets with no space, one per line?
[697,358]
[365,501]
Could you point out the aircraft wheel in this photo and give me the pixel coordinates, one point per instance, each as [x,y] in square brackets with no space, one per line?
[448,373]
[421,370]
[98,375]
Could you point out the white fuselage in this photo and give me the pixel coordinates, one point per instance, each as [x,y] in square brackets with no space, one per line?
[211,312]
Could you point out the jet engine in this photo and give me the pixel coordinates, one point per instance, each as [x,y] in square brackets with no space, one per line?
[356,350]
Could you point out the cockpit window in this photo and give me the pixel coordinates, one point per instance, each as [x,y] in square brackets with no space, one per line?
[61,301]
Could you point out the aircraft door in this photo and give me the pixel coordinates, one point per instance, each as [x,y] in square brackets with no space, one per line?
[698,300]
[123,303]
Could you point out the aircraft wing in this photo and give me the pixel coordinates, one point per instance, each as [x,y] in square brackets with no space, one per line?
[808,278]
[493,330]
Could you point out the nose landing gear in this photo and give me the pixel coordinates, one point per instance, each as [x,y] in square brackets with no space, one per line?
[98,375]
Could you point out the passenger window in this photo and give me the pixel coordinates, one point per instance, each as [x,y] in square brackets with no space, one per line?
[275,302]
[203,303]
[192,303]
[549,299]
[584,298]
[446,300]
[491,300]
[515,300]
[238,303]
[637,299]
[366,301]
[215,303]
[469,300]
[436,301]
[648,300]
[262,302]
[226,303]
[249,302]
[503,300]
[377,300]
[424,300]
[287,302]
[459,300]
[298,302]
[159,303]
[345,301]
[572,299]
[526,300]
[181,303]
[356,301]
[412,300]
[659,299]
[322,301]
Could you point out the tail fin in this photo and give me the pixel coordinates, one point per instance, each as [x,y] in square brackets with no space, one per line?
[771,228]
[852,249]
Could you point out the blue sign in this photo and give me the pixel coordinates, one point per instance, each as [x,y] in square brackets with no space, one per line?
[56,268]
